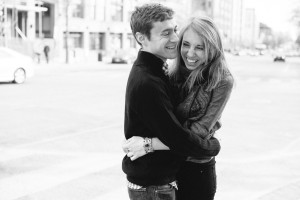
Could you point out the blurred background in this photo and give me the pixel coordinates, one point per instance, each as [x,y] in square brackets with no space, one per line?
[61,130]
[98,30]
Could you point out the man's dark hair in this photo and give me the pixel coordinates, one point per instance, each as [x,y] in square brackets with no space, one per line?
[143,17]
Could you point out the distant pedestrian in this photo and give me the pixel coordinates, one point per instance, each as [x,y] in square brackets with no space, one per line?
[46,52]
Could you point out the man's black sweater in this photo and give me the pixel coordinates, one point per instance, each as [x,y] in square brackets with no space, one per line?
[149,112]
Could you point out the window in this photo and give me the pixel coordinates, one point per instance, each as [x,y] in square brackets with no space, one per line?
[117,10]
[76,8]
[131,39]
[116,40]
[96,41]
[75,40]
[96,10]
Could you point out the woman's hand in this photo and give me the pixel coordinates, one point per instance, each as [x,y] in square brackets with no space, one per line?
[134,147]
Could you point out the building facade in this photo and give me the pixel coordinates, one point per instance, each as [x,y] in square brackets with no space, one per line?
[98,29]
[94,28]
[86,28]
[237,24]
[250,29]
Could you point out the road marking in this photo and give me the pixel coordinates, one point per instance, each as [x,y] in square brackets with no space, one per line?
[290,191]
[11,154]
[32,182]
[294,143]
[267,157]
[66,136]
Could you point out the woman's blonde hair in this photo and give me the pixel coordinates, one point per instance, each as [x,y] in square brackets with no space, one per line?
[211,72]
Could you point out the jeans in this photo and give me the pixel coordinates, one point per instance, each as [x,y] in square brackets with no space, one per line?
[163,192]
[196,181]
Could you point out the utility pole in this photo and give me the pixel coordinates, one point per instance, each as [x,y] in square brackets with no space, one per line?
[67,31]
[2,22]
[40,21]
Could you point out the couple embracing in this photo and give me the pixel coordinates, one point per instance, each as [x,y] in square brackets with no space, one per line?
[171,116]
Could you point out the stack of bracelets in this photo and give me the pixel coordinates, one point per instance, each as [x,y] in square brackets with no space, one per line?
[148,145]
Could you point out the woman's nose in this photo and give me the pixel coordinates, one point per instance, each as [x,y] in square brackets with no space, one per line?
[190,52]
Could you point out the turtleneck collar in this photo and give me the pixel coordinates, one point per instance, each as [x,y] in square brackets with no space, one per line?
[151,62]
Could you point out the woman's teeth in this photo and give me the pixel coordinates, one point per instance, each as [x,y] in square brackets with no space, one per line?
[191,61]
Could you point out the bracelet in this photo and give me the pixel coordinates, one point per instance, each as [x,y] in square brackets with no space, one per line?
[148,145]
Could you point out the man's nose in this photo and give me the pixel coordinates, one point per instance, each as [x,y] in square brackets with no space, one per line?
[174,37]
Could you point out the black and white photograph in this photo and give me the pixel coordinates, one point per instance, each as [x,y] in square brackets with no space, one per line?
[149,99]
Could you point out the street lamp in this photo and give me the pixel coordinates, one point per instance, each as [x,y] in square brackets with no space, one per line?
[67,30]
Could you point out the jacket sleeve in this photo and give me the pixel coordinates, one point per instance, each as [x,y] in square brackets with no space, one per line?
[156,112]
[220,95]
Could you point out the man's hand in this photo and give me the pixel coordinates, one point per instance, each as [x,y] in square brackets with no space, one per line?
[134,147]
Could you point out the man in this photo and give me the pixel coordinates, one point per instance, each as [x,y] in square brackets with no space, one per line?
[149,107]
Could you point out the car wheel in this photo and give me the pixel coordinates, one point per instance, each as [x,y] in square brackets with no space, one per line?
[20,76]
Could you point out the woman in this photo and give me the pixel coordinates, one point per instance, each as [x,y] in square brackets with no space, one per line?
[203,84]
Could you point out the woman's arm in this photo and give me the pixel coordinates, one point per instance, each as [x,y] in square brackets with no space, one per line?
[158,145]
[209,123]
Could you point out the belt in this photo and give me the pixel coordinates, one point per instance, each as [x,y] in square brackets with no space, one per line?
[136,187]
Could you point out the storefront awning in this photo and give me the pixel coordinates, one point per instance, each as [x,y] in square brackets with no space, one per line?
[27,8]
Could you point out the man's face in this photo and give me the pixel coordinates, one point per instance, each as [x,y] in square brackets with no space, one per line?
[163,40]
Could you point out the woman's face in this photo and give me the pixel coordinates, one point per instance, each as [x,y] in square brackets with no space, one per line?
[192,49]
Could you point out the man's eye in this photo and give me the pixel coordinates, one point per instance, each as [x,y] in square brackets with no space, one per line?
[165,33]
[185,44]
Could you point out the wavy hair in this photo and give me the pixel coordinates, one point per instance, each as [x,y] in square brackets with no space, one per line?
[143,17]
[214,68]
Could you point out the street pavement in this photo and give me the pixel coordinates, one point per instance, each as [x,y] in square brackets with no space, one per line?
[61,133]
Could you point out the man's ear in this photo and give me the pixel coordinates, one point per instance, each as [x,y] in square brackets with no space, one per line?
[140,37]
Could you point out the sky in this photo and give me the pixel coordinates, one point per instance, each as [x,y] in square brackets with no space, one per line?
[275,13]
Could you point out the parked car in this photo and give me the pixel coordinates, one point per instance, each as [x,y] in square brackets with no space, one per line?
[279,58]
[241,52]
[124,56]
[120,59]
[14,67]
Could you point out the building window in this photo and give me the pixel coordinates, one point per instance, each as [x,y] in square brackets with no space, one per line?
[96,41]
[116,10]
[75,40]
[131,39]
[76,8]
[116,40]
[96,10]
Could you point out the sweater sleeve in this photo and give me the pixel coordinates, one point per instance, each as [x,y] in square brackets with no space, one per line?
[156,112]
[220,95]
